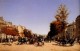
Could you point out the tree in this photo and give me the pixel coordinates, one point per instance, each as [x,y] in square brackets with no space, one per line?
[10,31]
[62,13]
[27,33]
[59,25]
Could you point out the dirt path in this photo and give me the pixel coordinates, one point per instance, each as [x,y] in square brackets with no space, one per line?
[47,47]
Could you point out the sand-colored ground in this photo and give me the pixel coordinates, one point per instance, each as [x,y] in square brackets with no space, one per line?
[47,47]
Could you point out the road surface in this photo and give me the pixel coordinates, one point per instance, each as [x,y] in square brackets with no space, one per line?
[47,47]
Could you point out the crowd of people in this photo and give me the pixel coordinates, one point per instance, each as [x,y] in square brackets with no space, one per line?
[39,40]
[34,40]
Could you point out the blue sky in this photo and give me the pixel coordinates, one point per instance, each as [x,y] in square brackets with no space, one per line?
[36,15]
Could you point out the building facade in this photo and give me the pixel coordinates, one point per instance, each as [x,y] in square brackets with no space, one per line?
[71,30]
[78,26]
[3,23]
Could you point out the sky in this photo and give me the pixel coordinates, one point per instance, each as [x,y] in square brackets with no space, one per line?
[36,15]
